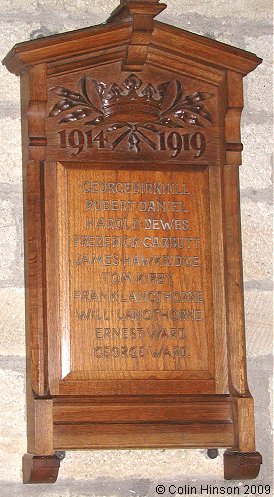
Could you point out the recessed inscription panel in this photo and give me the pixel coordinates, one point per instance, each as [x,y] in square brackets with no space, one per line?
[138,273]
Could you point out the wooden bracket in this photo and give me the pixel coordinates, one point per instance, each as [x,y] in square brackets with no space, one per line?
[142,13]
[241,465]
[41,469]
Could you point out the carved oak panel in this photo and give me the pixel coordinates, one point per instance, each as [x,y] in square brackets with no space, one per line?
[101,112]
[134,301]
[139,271]
[138,296]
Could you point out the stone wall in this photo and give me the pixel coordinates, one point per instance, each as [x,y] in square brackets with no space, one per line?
[245,24]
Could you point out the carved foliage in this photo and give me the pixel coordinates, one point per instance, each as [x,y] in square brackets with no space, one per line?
[152,108]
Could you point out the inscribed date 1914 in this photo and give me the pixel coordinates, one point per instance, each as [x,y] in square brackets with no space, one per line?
[92,115]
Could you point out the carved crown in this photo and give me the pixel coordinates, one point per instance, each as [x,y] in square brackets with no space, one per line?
[122,101]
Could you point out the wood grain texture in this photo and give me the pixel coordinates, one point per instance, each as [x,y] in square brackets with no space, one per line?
[142,14]
[40,423]
[203,49]
[80,380]
[40,469]
[85,41]
[77,43]
[143,435]
[52,271]
[234,146]
[241,465]
[33,103]
[184,408]
[135,387]
[34,274]
[133,266]
[218,281]
[114,312]
[245,424]
[234,282]
[177,119]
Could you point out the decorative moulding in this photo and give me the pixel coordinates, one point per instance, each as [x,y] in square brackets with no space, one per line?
[134,292]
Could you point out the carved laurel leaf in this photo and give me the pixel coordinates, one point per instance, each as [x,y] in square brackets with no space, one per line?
[151,127]
[176,108]
[77,115]
[117,126]
[71,95]
[200,109]
[199,96]
[83,88]
[172,92]
[62,106]
[89,90]
[188,108]
[194,101]
[191,119]
[95,122]
[167,121]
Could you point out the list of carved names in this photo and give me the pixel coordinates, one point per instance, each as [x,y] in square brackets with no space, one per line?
[137,268]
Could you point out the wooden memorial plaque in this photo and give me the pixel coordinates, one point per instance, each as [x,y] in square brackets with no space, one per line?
[134,295]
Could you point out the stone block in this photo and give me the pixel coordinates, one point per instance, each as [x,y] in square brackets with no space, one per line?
[13,424]
[256,170]
[12,311]
[8,241]
[260,379]
[11,159]
[11,246]
[17,27]
[146,464]
[10,86]
[135,473]
[259,322]
[247,9]
[23,19]
[259,96]
[13,31]
[257,240]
